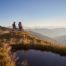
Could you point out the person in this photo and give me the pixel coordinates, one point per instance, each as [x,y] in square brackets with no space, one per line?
[14,26]
[20,26]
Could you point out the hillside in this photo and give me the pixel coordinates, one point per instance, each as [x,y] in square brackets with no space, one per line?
[25,37]
[39,35]
[4,30]
[61,39]
[12,41]
[18,37]
[26,40]
[43,37]
[50,32]
[19,40]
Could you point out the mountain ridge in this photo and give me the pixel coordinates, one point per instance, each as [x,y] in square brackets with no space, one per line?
[50,32]
[61,39]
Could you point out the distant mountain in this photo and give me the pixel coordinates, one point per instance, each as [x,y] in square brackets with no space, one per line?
[61,39]
[4,30]
[43,37]
[39,35]
[50,32]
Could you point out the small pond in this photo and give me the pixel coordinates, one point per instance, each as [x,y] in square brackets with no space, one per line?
[40,58]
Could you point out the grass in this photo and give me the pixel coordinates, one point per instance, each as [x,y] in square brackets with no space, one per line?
[5,59]
[23,40]
[55,49]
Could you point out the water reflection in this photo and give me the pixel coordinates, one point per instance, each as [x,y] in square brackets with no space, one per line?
[38,58]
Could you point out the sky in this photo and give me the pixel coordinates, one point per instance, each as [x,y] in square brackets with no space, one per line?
[33,13]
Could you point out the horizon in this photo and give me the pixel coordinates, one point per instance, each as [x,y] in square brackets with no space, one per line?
[36,27]
[33,13]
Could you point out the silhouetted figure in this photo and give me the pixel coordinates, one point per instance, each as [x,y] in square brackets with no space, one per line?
[20,26]
[14,26]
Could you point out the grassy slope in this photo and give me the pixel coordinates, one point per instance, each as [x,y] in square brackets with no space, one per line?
[24,40]
[5,59]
